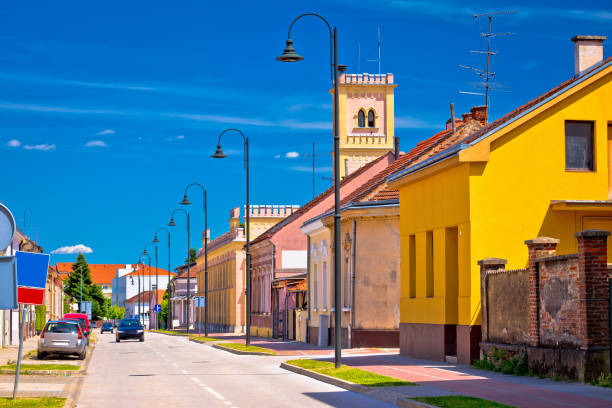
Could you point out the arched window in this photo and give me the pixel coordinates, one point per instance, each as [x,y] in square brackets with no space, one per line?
[371,118]
[361,119]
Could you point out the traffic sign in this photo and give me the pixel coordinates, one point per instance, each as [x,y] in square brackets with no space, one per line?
[8,283]
[32,272]
[7,227]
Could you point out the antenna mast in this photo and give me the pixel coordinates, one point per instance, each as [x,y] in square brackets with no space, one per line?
[313,155]
[487,75]
[379,59]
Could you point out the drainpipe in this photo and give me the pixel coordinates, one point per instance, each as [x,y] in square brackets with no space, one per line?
[353,264]
[308,287]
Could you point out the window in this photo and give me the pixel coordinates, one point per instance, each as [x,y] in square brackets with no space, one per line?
[578,145]
[412,266]
[315,294]
[347,282]
[371,118]
[429,266]
[324,285]
[361,119]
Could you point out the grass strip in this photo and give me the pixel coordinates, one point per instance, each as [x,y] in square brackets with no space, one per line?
[458,401]
[202,338]
[27,367]
[170,332]
[23,402]
[351,374]
[243,347]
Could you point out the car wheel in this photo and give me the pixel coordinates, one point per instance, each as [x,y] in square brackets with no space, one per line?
[83,354]
[40,355]
[142,339]
[117,339]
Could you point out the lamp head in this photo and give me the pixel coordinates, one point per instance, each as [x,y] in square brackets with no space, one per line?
[289,54]
[155,240]
[185,200]
[172,223]
[145,252]
[219,153]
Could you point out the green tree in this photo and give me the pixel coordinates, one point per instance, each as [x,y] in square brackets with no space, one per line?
[193,255]
[115,312]
[41,317]
[80,269]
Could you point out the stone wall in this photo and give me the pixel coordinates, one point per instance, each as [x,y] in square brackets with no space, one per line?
[557,310]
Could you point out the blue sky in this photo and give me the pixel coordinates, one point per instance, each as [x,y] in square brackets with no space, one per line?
[109,109]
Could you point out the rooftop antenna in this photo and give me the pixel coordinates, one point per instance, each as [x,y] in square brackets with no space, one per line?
[313,155]
[379,59]
[487,75]
[358,58]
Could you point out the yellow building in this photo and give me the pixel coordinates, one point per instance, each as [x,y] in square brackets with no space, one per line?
[366,112]
[226,268]
[541,170]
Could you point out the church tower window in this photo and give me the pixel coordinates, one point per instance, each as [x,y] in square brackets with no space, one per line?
[371,118]
[361,119]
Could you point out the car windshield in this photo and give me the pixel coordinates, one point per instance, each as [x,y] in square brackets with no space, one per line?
[129,323]
[106,324]
[61,327]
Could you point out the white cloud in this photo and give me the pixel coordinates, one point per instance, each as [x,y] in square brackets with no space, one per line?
[106,132]
[178,137]
[277,156]
[95,143]
[292,155]
[408,122]
[308,169]
[74,249]
[44,147]
[13,143]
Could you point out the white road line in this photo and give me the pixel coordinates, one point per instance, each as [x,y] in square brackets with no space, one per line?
[215,393]
[175,365]
[184,371]
[161,355]
[195,380]
[227,402]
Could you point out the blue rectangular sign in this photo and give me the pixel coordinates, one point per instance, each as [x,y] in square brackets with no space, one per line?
[32,269]
[8,283]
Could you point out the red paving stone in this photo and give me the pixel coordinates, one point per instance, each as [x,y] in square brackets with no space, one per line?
[506,392]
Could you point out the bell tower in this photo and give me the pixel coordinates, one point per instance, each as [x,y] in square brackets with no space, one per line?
[366,111]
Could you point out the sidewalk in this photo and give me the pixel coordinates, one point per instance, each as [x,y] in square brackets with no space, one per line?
[10,352]
[505,389]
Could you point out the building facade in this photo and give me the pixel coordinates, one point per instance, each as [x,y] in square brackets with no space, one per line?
[541,170]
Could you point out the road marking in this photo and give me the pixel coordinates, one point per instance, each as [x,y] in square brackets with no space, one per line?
[184,371]
[215,393]
[161,355]
[174,364]
[227,402]
[195,380]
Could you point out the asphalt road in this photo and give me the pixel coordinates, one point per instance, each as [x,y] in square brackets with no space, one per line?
[167,371]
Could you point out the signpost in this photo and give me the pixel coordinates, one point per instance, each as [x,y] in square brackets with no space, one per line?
[32,272]
[86,308]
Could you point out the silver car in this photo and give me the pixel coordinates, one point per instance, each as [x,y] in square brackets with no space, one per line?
[62,337]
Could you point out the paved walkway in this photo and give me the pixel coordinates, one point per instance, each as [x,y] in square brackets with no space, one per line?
[10,352]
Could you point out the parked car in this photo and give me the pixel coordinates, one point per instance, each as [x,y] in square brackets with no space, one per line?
[129,329]
[80,316]
[62,337]
[81,323]
[106,327]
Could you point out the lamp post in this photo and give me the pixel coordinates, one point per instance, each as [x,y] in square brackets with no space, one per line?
[205,208]
[144,253]
[173,224]
[220,155]
[290,55]
[150,289]
[155,240]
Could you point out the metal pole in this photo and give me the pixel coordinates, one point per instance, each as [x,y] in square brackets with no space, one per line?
[205,263]
[156,288]
[188,279]
[149,279]
[337,249]
[313,171]
[169,291]
[138,276]
[81,301]
[248,248]
[20,353]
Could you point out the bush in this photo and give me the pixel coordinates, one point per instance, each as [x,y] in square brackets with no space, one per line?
[41,317]
[497,361]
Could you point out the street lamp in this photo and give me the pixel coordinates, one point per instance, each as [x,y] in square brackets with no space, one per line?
[220,155]
[290,55]
[156,281]
[205,208]
[155,240]
[141,302]
[173,224]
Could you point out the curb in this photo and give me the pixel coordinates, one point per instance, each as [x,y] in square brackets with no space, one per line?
[168,334]
[400,399]
[54,373]
[204,341]
[75,392]
[241,352]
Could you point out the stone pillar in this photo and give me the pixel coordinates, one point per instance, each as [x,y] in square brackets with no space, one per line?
[594,288]
[538,248]
[487,266]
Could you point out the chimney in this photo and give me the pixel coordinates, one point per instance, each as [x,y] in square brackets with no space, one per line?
[396,150]
[466,117]
[452,118]
[479,113]
[588,51]
[234,218]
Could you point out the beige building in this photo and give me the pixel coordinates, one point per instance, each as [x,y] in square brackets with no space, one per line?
[54,295]
[226,268]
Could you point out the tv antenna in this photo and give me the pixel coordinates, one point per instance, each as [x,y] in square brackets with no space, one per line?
[379,59]
[486,74]
[313,155]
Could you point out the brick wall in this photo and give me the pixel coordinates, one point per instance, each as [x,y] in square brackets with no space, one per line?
[557,309]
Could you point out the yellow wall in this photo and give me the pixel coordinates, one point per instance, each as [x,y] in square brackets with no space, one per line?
[319,239]
[498,194]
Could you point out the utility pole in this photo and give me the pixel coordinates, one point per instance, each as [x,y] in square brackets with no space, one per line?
[313,155]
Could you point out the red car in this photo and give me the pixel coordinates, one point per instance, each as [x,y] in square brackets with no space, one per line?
[82,317]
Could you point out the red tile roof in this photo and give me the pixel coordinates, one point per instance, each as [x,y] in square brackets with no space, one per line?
[306,207]
[102,274]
